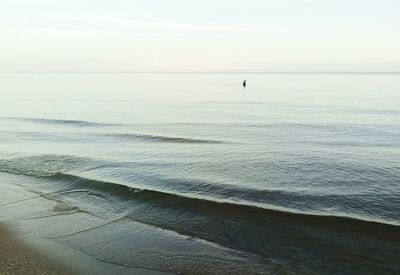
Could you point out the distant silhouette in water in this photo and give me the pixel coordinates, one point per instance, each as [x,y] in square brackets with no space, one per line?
[244,83]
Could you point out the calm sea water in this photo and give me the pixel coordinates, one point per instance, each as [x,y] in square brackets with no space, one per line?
[300,168]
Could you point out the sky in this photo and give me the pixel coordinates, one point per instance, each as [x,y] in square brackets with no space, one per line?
[199,36]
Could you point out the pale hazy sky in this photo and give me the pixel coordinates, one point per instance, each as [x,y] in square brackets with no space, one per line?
[202,35]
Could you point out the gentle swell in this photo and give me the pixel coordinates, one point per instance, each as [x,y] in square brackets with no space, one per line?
[209,205]
[55,168]
[159,138]
[80,123]
[107,137]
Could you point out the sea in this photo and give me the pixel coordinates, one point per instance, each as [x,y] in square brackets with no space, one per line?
[298,173]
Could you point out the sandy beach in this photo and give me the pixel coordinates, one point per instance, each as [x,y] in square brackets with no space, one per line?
[18,258]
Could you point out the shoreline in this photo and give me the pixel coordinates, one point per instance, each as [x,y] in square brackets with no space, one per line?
[17,257]
[27,254]
[24,248]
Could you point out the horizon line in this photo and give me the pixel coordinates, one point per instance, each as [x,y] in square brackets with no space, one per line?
[213,72]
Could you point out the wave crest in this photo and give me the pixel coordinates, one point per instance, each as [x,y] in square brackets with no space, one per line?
[81,123]
[163,139]
[213,205]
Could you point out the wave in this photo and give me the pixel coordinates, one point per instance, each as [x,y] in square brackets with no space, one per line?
[159,138]
[247,203]
[105,137]
[58,169]
[79,123]
[380,228]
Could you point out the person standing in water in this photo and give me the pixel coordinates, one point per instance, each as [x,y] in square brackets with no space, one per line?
[244,83]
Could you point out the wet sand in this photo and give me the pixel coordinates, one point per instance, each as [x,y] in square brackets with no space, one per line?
[18,258]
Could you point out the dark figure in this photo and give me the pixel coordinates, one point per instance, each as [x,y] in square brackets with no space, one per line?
[244,83]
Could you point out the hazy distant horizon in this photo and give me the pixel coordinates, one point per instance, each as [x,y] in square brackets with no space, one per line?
[216,72]
[193,36]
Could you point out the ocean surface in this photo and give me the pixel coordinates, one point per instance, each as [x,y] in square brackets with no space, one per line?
[296,173]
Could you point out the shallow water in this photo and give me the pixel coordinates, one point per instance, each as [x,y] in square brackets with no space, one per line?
[303,169]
